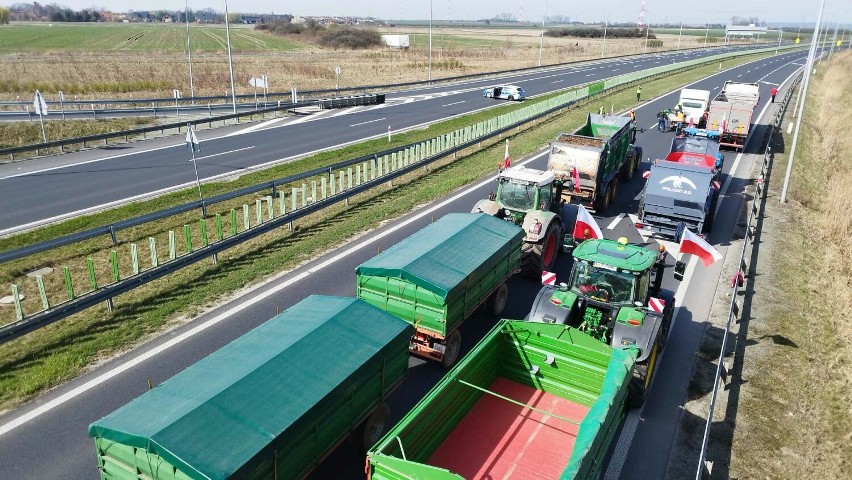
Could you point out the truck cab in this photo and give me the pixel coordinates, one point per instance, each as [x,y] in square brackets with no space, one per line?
[693,103]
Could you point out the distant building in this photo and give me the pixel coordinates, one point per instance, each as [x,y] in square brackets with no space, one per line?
[206,17]
[298,20]
[252,19]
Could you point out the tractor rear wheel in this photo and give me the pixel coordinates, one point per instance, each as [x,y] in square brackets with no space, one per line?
[541,256]
[643,373]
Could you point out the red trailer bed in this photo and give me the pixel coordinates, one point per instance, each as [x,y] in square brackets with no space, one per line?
[499,439]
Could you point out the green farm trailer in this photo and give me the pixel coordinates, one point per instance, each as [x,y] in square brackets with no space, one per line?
[439,276]
[597,154]
[271,404]
[531,400]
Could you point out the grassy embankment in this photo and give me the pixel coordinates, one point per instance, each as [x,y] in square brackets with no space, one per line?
[794,418]
[61,351]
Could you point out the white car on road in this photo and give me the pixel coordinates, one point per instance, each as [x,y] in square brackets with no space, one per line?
[506,92]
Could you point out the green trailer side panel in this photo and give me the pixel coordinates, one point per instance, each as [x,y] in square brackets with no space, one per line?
[296,384]
[436,277]
[389,468]
[582,371]
[599,426]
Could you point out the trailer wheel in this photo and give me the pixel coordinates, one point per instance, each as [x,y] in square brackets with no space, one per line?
[629,167]
[603,203]
[497,303]
[451,353]
[375,425]
[711,214]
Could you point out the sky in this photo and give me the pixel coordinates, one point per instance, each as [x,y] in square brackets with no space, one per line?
[667,11]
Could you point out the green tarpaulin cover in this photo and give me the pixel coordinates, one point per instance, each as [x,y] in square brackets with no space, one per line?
[442,255]
[215,416]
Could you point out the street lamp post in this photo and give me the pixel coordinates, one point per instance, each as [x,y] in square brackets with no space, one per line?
[780,32]
[430,39]
[230,61]
[541,40]
[606,24]
[189,53]
[706,32]
[680,34]
[647,29]
[802,94]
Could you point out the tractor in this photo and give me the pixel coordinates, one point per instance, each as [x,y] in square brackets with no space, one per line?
[531,199]
[615,295]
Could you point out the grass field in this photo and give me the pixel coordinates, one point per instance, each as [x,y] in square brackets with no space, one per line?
[61,351]
[101,38]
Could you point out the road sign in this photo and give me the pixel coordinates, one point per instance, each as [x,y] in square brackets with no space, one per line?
[176,93]
[337,70]
[39,104]
[258,82]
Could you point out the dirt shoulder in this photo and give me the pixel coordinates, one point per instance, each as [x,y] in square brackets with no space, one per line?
[784,411]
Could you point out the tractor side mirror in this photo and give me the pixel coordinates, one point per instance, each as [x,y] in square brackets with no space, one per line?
[679,270]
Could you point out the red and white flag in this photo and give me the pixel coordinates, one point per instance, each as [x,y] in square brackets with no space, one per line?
[692,243]
[506,162]
[575,174]
[548,278]
[586,223]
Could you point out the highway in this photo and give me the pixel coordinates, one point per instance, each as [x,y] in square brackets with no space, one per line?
[47,438]
[73,184]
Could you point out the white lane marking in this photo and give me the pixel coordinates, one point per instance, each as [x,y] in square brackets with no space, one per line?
[768,83]
[308,118]
[251,300]
[224,153]
[454,103]
[654,124]
[616,69]
[368,121]
[345,111]
[740,75]
[590,74]
[615,221]
[557,81]
[258,126]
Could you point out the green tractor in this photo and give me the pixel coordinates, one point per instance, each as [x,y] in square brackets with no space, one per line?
[531,199]
[614,295]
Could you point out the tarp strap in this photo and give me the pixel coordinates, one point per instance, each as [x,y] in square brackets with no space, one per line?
[573,422]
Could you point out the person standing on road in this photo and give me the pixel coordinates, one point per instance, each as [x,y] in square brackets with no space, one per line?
[638,93]
[773,92]
[661,121]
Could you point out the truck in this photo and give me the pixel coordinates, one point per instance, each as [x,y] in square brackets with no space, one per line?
[436,278]
[271,404]
[693,103]
[614,295]
[530,198]
[601,151]
[731,112]
[396,41]
[529,401]
[683,189]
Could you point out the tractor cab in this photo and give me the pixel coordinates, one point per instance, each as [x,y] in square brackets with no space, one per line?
[521,190]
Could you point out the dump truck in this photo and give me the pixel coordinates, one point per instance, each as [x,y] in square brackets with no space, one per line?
[731,112]
[601,151]
[530,198]
[683,188]
[614,295]
[271,404]
[529,401]
[436,278]
[693,103]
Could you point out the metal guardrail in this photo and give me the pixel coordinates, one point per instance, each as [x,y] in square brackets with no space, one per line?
[457,141]
[370,99]
[169,102]
[738,280]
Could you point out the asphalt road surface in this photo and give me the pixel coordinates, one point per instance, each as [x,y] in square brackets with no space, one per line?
[52,188]
[47,438]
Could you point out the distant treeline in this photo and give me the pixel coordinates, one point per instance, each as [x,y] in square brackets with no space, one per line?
[333,36]
[598,32]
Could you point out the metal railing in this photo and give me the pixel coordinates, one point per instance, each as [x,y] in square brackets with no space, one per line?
[368,99]
[738,280]
[382,166]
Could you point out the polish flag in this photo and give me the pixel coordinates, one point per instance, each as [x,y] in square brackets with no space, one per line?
[506,162]
[585,222]
[692,243]
[575,174]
